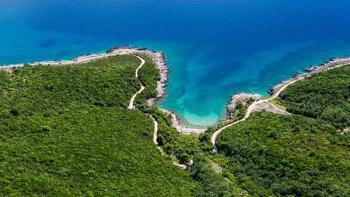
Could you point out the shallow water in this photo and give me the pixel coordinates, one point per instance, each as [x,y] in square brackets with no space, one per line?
[214,48]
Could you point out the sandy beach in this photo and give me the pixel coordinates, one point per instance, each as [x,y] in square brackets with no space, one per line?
[179,126]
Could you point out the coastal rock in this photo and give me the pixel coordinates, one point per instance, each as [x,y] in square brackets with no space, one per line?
[310,69]
[242,97]
[157,57]
[332,63]
[159,60]
[281,84]
[269,107]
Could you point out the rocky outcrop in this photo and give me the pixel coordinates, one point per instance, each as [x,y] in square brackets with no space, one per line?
[346,130]
[281,84]
[270,107]
[244,99]
[160,62]
[332,63]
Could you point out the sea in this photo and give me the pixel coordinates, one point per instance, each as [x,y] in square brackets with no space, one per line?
[214,48]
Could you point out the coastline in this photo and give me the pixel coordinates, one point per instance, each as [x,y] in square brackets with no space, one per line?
[157,57]
[311,70]
[280,87]
[308,71]
[160,62]
[177,123]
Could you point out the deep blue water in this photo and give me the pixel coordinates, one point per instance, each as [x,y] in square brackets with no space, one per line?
[215,48]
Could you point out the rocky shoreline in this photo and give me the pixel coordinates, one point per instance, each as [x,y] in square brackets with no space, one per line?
[157,57]
[309,71]
[327,65]
[241,97]
[159,60]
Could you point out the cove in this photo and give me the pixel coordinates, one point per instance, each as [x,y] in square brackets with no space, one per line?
[214,49]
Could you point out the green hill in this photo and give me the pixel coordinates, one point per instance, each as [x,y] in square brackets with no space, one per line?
[272,155]
[306,154]
[65,131]
[325,95]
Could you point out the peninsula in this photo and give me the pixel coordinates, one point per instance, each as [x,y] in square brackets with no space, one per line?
[92,126]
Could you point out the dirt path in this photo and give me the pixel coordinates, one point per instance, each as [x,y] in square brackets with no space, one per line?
[155,130]
[155,123]
[132,100]
[132,104]
[142,88]
[252,107]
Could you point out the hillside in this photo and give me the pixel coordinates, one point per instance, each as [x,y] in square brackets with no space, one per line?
[325,95]
[287,155]
[305,154]
[65,130]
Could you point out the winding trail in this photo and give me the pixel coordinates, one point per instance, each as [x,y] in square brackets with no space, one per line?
[332,64]
[142,88]
[251,109]
[155,130]
[132,100]
[132,103]
[155,123]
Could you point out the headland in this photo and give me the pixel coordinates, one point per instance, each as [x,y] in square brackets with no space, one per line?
[159,59]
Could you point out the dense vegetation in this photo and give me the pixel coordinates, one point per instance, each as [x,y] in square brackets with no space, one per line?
[287,155]
[148,76]
[185,148]
[65,130]
[325,95]
[211,183]
[239,111]
[300,155]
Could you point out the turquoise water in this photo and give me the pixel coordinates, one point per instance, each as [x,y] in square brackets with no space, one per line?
[214,48]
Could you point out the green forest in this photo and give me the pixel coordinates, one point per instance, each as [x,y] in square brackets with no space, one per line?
[325,95]
[275,155]
[65,131]
[305,154]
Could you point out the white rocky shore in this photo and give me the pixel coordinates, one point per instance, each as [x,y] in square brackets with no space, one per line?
[157,57]
[266,104]
[160,62]
[270,107]
[241,97]
[327,65]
